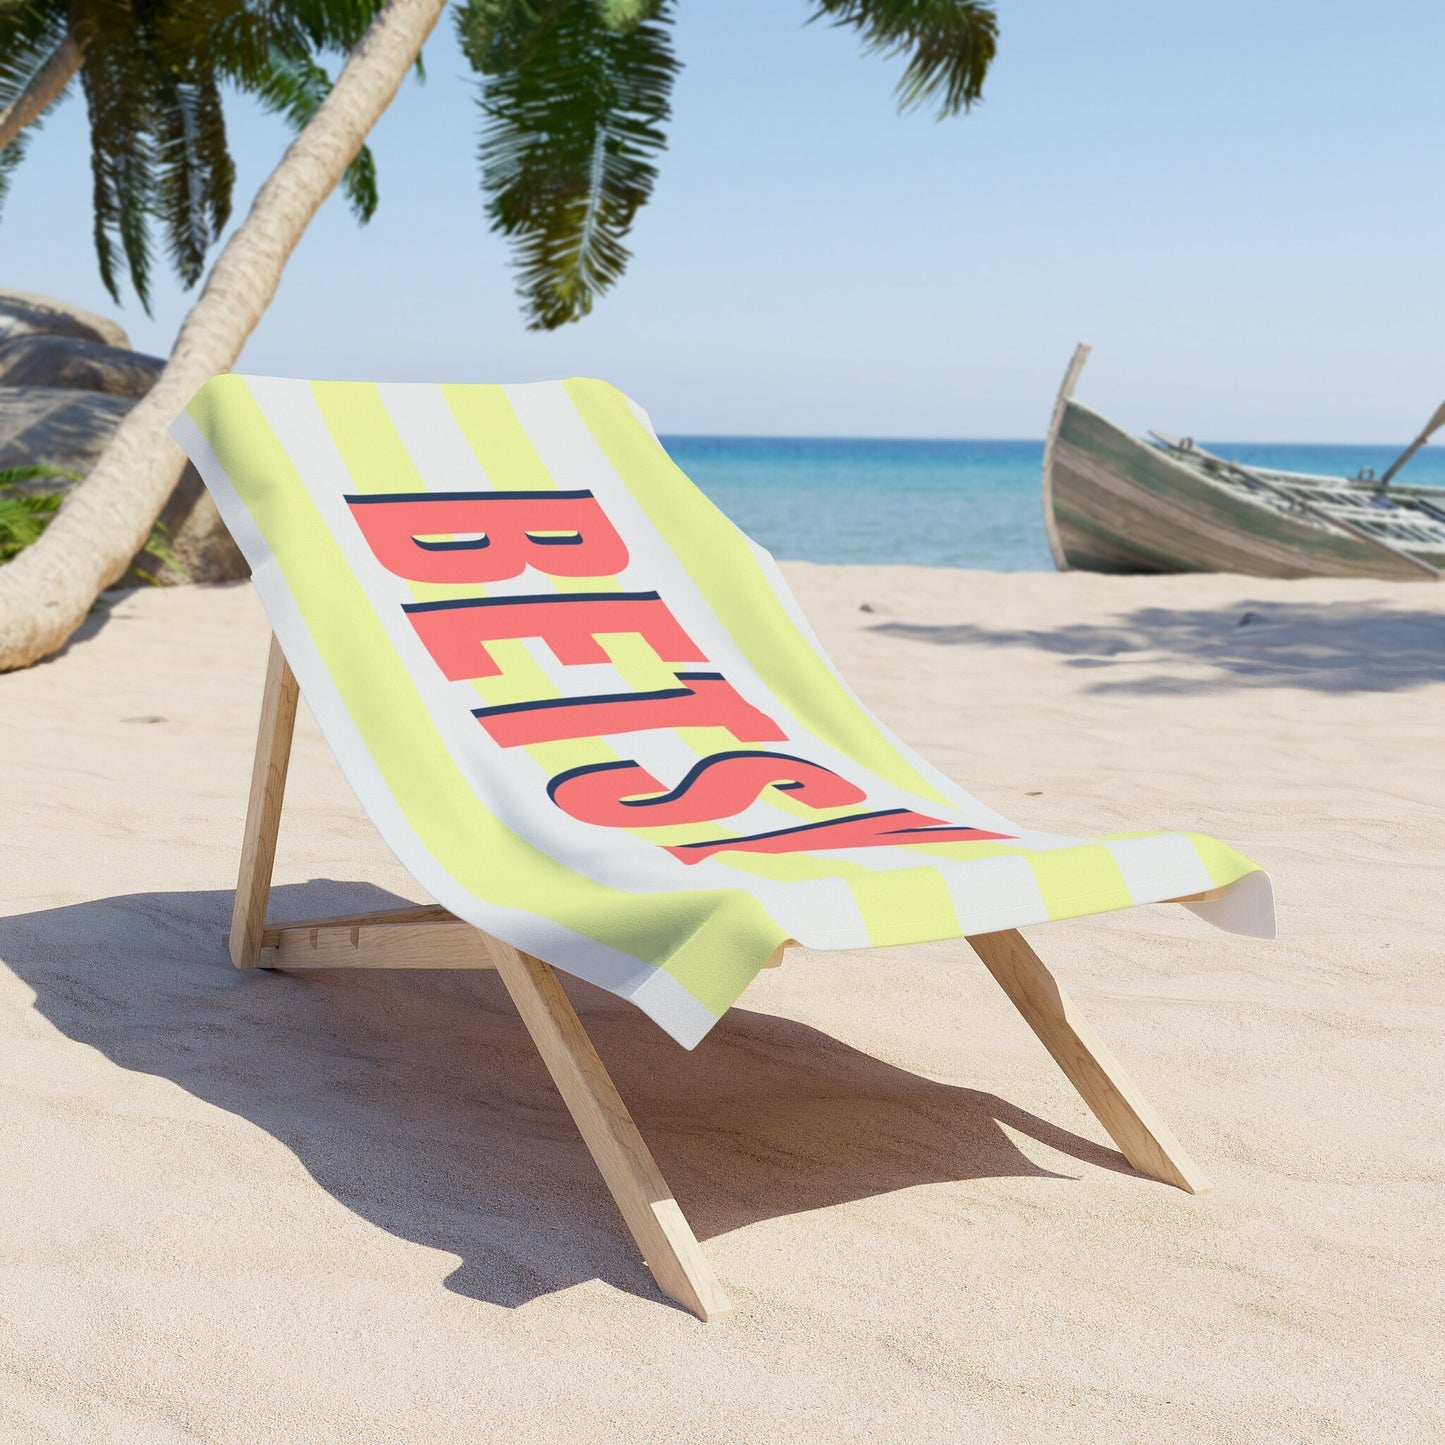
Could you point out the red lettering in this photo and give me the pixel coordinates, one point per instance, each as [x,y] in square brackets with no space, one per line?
[706,700]
[455,633]
[489,536]
[626,795]
[862,830]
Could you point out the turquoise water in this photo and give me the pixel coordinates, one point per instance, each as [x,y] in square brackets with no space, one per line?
[932,503]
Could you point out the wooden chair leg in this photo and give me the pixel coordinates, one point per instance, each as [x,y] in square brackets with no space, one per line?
[263,811]
[662,1233]
[1140,1133]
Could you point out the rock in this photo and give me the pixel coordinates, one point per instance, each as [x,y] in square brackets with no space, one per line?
[69,362]
[56,427]
[66,379]
[23,313]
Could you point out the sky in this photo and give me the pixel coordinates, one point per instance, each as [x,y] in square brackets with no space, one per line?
[1238,205]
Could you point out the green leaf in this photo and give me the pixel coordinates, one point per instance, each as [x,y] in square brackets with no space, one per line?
[23,515]
[194,171]
[10,477]
[29,36]
[116,77]
[950,45]
[574,96]
[294,86]
[11,157]
[627,14]
[152,74]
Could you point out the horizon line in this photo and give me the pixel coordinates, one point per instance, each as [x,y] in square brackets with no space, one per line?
[1012,441]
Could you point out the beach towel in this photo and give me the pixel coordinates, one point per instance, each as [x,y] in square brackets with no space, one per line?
[586,713]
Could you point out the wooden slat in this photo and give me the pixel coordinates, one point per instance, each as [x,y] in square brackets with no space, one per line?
[1142,1136]
[420,935]
[421,944]
[1325,518]
[1121,505]
[407,913]
[1066,390]
[662,1233]
[263,810]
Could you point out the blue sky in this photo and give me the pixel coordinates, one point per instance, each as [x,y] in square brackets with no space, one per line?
[1238,205]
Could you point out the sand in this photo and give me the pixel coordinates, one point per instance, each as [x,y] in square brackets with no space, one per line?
[350,1208]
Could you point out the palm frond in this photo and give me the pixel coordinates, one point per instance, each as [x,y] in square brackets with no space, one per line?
[293,86]
[268,49]
[194,171]
[10,157]
[152,74]
[574,95]
[23,517]
[29,35]
[25,514]
[334,25]
[236,37]
[950,45]
[623,14]
[11,477]
[119,86]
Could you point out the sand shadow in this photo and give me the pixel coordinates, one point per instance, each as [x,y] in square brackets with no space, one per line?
[416,1098]
[1322,647]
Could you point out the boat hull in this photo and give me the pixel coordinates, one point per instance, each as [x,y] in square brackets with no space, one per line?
[1117,504]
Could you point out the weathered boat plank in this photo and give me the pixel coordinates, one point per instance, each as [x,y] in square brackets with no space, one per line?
[1114,503]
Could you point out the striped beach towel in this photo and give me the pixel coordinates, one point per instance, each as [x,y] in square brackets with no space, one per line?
[586,713]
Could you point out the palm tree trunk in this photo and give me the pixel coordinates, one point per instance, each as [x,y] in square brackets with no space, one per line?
[45,85]
[47,590]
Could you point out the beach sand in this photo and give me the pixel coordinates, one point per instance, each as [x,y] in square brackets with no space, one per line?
[350,1208]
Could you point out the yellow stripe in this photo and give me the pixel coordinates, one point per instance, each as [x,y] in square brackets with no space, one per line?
[1224,865]
[497,439]
[711,941]
[898,905]
[369,444]
[1084,879]
[722,567]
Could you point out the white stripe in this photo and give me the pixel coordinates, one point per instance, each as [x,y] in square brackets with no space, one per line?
[433,438]
[993,893]
[664,999]
[1165,866]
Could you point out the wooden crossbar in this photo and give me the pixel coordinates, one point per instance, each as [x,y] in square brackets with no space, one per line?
[423,935]
[429,936]
[398,938]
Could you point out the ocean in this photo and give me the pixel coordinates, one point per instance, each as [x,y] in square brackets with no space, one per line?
[933,503]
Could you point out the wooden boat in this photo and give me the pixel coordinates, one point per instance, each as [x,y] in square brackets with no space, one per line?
[1116,503]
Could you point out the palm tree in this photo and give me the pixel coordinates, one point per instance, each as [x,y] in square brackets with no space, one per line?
[152,76]
[574,96]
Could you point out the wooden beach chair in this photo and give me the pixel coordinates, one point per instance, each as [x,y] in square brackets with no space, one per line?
[421,549]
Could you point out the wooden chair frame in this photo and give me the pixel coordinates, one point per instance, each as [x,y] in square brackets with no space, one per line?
[428,936]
